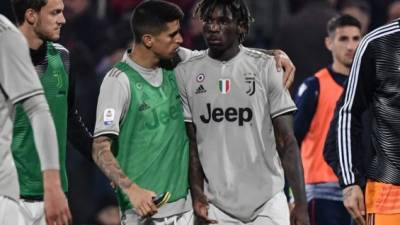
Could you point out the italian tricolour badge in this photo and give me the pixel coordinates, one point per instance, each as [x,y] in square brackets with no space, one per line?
[224,86]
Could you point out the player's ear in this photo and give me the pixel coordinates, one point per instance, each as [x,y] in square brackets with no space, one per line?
[31,16]
[147,40]
[328,43]
[242,27]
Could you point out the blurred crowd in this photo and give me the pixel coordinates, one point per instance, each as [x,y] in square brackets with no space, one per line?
[98,32]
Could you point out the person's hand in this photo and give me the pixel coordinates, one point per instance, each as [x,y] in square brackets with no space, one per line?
[353,200]
[200,208]
[142,200]
[299,215]
[55,203]
[283,62]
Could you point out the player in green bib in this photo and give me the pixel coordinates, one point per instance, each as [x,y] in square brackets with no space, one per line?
[55,85]
[152,144]
[140,138]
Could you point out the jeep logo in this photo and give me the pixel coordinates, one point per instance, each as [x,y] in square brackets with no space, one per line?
[163,116]
[230,114]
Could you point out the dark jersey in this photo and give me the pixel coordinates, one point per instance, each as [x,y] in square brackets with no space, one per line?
[374,83]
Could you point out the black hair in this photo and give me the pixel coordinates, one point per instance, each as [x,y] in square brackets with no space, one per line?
[240,11]
[151,17]
[341,21]
[19,8]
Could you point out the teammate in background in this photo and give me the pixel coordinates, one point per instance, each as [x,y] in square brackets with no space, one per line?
[139,118]
[40,22]
[316,101]
[373,85]
[19,84]
[234,107]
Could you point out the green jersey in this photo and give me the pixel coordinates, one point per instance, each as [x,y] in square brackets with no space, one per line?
[55,84]
[152,147]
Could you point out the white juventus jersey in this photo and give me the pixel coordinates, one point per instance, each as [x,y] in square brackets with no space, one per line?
[232,105]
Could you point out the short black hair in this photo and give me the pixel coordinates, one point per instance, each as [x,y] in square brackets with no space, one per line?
[341,21]
[239,9]
[19,8]
[151,17]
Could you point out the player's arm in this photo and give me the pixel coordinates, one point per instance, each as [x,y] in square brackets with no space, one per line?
[113,98]
[196,177]
[21,84]
[354,101]
[289,154]
[140,198]
[306,102]
[281,108]
[282,62]
[78,133]
[196,173]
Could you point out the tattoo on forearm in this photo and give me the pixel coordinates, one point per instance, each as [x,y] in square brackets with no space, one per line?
[106,161]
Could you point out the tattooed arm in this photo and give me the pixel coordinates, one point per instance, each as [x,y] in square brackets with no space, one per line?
[140,198]
[196,177]
[290,157]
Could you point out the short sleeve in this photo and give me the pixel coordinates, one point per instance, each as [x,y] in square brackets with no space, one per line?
[18,79]
[112,104]
[180,79]
[278,96]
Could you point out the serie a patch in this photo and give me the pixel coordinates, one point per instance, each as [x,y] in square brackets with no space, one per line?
[109,116]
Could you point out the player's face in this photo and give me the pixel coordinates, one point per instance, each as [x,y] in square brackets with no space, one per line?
[49,20]
[343,44]
[166,43]
[221,30]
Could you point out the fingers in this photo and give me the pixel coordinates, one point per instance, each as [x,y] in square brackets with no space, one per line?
[63,217]
[289,75]
[203,214]
[355,213]
[147,209]
[278,63]
[289,70]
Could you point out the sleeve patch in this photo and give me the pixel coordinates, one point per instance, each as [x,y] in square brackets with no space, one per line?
[109,116]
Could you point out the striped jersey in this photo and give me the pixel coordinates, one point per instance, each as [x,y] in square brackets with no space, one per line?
[18,81]
[232,105]
[374,82]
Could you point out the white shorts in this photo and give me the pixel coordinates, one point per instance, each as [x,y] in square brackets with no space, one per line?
[33,212]
[275,212]
[129,217]
[10,212]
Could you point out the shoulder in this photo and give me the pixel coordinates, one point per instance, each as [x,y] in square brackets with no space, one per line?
[310,84]
[185,53]
[10,35]
[379,35]
[193,59]
[257,57]
[6,25]
[115,73]
[61,49]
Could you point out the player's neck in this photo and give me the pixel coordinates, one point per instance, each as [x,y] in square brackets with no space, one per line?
[224,55]
[340,68]
[143,57]
[34,41]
